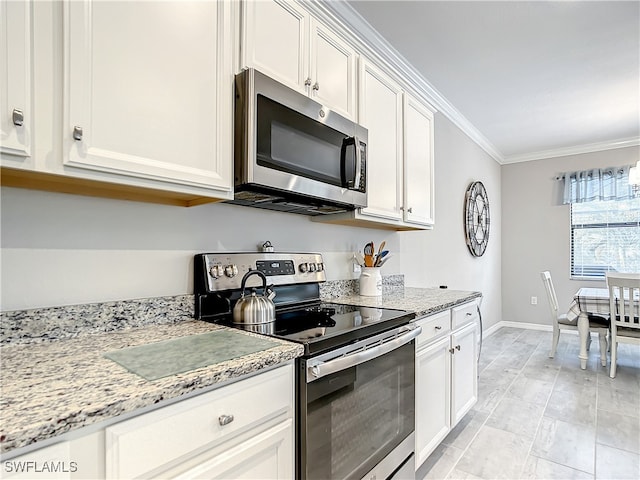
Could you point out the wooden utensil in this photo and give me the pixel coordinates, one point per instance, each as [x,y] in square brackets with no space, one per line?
[368,254]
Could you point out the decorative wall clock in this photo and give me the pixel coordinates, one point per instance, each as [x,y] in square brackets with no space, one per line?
[476,218]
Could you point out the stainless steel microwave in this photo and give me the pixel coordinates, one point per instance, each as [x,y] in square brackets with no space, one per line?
[293,154]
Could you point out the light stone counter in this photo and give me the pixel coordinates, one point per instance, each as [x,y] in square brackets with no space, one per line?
[421,301]
[50,388]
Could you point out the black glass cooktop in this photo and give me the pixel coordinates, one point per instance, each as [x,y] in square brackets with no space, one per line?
[323,326]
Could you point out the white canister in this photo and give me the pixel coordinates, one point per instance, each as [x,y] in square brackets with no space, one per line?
[370,282]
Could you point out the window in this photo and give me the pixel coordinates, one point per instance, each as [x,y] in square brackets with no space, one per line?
[605,236]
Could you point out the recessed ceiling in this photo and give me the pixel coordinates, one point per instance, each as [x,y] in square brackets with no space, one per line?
[536,79]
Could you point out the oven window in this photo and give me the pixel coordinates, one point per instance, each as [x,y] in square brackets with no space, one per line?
[357,416]
[291,142]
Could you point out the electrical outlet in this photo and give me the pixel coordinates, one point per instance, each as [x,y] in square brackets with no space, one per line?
[534,300]
[357,268]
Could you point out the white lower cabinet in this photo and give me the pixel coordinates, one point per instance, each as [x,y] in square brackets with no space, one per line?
[244,430]
[79,457]
[266,455]
[433,393]
[446,374]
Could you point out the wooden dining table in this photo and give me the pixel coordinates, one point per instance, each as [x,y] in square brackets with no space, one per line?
[586,301]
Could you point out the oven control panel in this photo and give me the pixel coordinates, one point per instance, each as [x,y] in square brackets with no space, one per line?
[224,271]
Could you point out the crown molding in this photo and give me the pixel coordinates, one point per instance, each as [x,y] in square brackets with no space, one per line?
[576,150]
[351,25]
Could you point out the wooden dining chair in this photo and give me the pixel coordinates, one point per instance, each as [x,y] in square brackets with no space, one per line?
[561,322]
[625,316]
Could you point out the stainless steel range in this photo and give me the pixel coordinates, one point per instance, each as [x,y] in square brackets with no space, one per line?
[355,381]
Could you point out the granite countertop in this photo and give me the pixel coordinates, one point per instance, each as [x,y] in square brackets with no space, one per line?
[421,301]
[55,377]
[51,388]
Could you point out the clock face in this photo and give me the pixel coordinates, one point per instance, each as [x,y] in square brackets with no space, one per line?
[476,218]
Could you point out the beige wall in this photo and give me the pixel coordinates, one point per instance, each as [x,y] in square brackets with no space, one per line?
[536,233]
[440,256]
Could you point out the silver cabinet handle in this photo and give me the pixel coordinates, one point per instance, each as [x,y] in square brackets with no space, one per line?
[438,327]
[410,210]
[17,117]
[458,347]
[316,86]
[307,82]
[225,420]
[469,314]
[77,133]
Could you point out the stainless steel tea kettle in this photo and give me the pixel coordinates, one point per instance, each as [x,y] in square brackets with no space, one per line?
[255,309]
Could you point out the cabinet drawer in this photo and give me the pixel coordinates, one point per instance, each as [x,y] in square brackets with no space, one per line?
[463,314]
[30,465]
[433,326]
[161,438]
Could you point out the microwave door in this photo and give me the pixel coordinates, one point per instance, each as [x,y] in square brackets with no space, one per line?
[350,163]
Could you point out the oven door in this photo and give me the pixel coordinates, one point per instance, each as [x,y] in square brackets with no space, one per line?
[356,408]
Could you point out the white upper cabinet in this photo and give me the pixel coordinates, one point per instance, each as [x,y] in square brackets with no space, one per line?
[149,93]
[381,114]
[418,163]
[275,40]
[15,87]
[282,40]
[333,71]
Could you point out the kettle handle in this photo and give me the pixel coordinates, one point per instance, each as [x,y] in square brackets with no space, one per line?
[254,272]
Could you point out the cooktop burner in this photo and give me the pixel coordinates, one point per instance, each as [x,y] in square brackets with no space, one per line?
[324,326]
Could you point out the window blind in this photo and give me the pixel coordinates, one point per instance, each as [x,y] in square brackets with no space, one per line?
[605,236]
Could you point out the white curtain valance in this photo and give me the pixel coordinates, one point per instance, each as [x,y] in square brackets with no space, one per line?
[611,183]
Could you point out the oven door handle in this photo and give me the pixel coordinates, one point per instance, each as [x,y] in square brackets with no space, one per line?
[322,369]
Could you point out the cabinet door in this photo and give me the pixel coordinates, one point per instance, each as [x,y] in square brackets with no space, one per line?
[464,371]
[433,415]
[333,71]
[53,462]
[268,455]
[418,162]
[276,41]
[15,86]
[380,112]
[149,91]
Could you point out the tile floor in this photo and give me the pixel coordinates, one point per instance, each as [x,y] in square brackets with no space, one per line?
[545,418]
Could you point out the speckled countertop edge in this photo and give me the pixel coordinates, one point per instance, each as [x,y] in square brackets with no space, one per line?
[48,389]
[421,301]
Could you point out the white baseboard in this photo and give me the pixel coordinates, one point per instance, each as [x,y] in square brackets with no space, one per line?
[529,326]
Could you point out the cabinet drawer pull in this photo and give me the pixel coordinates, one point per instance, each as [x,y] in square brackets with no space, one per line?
[452,351]
[410,210]
[307,82]
[77,133]
[316,86]
[458,347]
[225,420]
[438,327]
[469,314]
[17,117]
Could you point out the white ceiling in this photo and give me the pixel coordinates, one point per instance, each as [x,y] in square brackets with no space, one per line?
[536,79]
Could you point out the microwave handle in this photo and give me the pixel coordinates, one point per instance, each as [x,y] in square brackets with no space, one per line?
[358,163]
[356,180]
